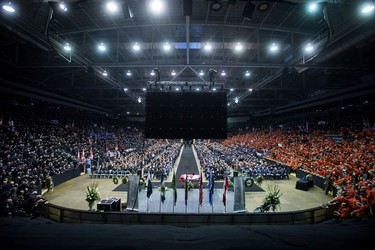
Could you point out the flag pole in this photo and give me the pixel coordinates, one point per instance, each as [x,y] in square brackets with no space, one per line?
[148,199]
[225,206]
[160,204]
[186,192]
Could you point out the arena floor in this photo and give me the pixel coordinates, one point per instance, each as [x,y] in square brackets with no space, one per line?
[71,194]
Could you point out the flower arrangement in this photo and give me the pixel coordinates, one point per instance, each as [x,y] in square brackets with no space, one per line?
[92,192]
[273,196]
[259,180]
[191,185]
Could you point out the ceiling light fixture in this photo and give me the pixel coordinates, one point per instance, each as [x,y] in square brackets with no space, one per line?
[207,47]
[105,73]
[367,8]
[102,47]
[274,47]
[9,7]
[263,6]
[128,73]
[247,73]
[309,48]
[201,73]
[312,7]
[156,6]
[238,47]
[67,47]
[167,47]
[112,6]
[216,6]
[173,73]
[63,7]
[136,47]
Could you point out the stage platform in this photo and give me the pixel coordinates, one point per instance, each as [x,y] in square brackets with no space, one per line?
[71,194]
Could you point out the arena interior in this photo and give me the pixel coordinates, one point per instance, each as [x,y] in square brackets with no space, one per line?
[246,124]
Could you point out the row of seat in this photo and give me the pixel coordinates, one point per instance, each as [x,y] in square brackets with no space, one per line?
[105,174]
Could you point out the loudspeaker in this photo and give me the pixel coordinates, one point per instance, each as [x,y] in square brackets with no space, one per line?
[126,10]
[302,185]
[187,7]
[248,11]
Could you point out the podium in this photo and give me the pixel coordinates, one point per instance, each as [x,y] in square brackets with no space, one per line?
[110,204]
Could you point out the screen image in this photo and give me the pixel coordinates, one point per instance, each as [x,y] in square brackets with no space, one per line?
[186,115]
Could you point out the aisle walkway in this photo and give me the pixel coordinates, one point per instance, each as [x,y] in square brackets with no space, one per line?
[187,164]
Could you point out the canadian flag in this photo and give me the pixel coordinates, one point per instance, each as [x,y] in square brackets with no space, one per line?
[116,148]
[91,156]
[83,155]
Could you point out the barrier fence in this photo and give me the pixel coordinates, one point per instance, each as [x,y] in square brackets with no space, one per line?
[67,215]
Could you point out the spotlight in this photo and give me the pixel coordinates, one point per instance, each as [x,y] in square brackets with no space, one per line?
[112,6]
[67,47]
[9,7]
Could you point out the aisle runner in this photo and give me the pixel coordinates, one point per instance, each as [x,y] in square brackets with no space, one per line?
[187,165]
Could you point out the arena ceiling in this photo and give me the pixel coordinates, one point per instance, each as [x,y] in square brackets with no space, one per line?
[258,82]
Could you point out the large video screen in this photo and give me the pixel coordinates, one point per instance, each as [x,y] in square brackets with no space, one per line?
[186,115]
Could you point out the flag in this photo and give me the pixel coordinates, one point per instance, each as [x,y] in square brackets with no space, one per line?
[91,156]
[225,189]
[200,190]
[106,150]
[78,156]
[1,119]
[211,187]
[116,148]
[83,155]
[186,189]
[162,189]
[173,186]
[149,185]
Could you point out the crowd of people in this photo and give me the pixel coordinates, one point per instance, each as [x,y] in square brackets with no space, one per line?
[344,157]
[223,159]
[35,146]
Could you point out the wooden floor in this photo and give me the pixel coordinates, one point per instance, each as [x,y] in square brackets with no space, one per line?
[71,194]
